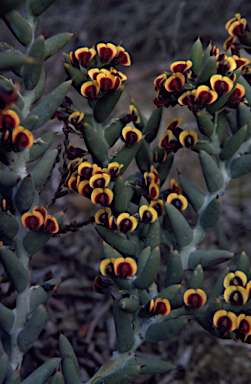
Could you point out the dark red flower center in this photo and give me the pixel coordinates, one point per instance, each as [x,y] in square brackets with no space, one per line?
[194,300]
[147,217]
[103,199]
[131,138]
[125,225]
[124,270]
[160,308]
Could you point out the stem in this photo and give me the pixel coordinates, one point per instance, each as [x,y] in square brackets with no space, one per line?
[22,300]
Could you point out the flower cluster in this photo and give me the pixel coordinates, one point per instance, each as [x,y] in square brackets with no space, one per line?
[170,85]
[237,28]
[98,74]
[173,195]
[227,321]
[101,81]
[38,217]
[237,292]
[120,267]
[151,183]
[12,134]
[239,33]
[175,138]
[183,86]
[91,181]
[124,222]
[105,53]
[157,199]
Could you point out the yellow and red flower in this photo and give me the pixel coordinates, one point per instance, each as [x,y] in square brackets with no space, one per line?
[221,84]
[105,80]
[122,57]
[102,196]
[230,44]
[237,96]
[125,267]
[114,169]
[22,137]
[126,222]
[179,201]
[235,295]
[38,217]
[153,191]
[225,322]
[175,188]
[156,174]
[205,96]
[118,74]
[112,224]
[243,326]
[188,98]
[86,170]
[84,189]
[106,267]
[74,60]
[215,52]
[159,206]
[175,83]
[173,125]
[73,164]
[225,64]
[195,298]
[41,210]
[103,216]
[134,114]
[100,180]
[7,98]
[131,135]
[73,183]
[236,26]
[147,214]
[162,307]
[188,138]
[51,224]
[164,142]
[90,90]
[181,66]
[241,62]
[152,176]
[76,117]
[235,278]
[9,120]
[159,81]
[200,97]
[106,52]
[158,307]
[32,220]
[85,55]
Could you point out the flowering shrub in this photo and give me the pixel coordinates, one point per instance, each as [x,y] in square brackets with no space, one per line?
[137,214]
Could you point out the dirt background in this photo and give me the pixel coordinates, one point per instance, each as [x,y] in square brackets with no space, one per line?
[156,34]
